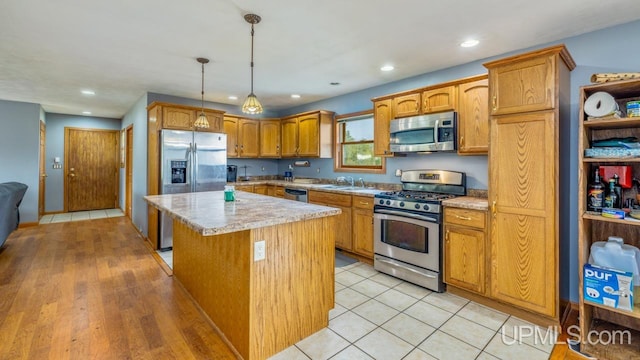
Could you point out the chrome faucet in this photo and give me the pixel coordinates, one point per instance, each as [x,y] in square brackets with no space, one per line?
[350,181]
[361,182]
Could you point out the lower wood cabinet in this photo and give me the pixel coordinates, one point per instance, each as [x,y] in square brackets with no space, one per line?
[465,256]
[247,188]
[261,189]
[363,226]
[343,221]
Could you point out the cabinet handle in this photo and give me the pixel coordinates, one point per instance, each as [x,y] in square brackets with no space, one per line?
[493,208]
[446,236]
[495,102]
[364,203]
[462,141]
[463,217]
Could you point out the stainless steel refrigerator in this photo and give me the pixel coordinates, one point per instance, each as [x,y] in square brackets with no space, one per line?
[191,161]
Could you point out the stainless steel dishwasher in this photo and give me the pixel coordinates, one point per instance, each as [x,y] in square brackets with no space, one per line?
[295,194]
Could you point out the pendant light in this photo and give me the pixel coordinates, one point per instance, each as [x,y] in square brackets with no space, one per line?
[252,105]
[202,121]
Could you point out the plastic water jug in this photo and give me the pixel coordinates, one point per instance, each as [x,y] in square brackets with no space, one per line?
[615,254]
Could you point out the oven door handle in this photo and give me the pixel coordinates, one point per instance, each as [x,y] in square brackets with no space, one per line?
[405,268]
[405,214]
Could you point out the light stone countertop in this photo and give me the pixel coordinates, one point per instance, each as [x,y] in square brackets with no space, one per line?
[356,190]
[208,213]
[467,202]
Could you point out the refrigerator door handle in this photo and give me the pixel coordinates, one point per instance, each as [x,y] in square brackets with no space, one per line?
[195,167]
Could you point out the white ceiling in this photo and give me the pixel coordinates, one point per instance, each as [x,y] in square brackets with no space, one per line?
[50,50]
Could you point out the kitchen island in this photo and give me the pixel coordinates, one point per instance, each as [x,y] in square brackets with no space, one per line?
[261,300]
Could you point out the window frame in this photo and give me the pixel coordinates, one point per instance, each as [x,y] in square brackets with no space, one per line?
[338,166]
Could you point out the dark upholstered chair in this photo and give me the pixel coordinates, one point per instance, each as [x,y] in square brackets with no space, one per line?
[11,194]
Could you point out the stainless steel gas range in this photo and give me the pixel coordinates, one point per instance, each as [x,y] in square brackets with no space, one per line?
[408,226]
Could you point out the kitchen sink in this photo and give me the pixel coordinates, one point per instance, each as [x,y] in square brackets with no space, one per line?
[338,187]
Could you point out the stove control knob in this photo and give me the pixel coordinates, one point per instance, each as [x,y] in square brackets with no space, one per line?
[418,206]
[381,202]
[401,204]
[426,207]
[388,202]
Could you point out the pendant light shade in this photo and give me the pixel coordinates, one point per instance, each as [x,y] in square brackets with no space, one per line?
[202,121]
[252,105]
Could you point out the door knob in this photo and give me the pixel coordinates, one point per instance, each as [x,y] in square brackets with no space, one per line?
[44,175]
[72,175]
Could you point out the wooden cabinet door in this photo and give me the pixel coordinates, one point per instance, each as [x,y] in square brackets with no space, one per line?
[438,100]
[343,228]
[261,189]
[382,115]
[464,258]
[178,118]
[270,138]
[289,137]
[308,135]
[473,117]
[230,127]
[247,188]
[215,121]
[523,86]
[363,225]
[248,138]
[406,105]
[279,191]
[524,244]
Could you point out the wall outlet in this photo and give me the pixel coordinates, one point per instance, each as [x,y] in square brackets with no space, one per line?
[318,171]
[259,250]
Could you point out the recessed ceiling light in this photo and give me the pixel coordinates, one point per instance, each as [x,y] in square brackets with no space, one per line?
[295,96]
[88,92]
[387,68]
[469,43]
[233,97]
[334,83]
[86,112]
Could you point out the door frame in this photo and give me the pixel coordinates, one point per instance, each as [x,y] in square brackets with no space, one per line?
[128,169]
[65,181]
[43,169]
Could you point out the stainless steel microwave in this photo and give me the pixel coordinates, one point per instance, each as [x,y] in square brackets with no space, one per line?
[428,133]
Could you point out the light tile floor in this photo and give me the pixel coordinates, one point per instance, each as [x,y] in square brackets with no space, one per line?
[167,256]
[377,316]
[80,215]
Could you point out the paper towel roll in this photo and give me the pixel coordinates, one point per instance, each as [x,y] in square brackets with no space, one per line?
[600,104]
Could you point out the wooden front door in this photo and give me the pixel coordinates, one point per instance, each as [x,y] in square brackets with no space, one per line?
[43,170]
[128,171]
[91,171]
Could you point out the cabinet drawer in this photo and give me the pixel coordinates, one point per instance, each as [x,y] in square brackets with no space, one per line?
[465,217]
[363,202]
[330,198]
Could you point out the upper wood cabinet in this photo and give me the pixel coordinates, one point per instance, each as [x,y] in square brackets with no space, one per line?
[242,136]
[439,99]
[473,117]
[178,117]
[382,115]
[524,181]
[308,135]
[406,105]
[522,86]
[270,138]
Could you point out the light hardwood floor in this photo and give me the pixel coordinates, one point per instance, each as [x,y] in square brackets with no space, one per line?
[92,290]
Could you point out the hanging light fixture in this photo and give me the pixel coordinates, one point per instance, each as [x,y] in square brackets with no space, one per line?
[252,105]
[202,121]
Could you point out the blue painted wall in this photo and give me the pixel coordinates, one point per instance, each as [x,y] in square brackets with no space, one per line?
[137,116]
[19,146]
[54,195]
